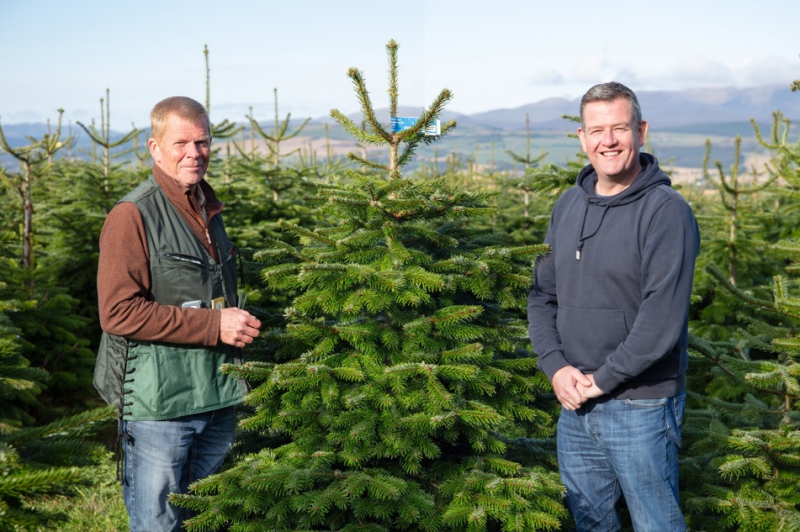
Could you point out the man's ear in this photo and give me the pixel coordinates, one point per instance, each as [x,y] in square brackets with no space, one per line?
[582,139]
[642,132]
[155,151]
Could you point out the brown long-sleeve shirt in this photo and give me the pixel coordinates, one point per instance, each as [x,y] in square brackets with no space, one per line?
[123,274]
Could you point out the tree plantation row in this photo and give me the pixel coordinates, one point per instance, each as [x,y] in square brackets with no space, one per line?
[393,384]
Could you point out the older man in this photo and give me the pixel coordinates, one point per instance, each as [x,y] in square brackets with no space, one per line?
[609,322]
[168,308]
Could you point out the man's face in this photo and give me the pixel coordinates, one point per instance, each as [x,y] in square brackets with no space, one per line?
[182,151]
[610,141]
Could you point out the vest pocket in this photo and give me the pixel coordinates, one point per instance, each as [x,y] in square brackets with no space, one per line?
[177,278]
[184,259]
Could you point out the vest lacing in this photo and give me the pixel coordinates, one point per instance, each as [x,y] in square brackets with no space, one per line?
[122,378]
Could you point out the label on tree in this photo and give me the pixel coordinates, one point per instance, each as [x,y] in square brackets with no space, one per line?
[399,123]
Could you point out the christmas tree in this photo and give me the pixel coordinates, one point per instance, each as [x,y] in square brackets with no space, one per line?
[35,460]
[742,468]
[403,395]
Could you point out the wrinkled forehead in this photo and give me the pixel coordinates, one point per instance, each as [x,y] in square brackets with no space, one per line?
[176,122]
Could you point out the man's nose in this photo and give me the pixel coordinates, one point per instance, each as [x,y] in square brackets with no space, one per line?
[191,150]
[608,137]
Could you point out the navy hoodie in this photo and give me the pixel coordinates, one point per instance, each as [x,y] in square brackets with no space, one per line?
[612,297]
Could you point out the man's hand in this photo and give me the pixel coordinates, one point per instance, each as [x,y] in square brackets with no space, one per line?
[237,327]
[591,391]
[567,383]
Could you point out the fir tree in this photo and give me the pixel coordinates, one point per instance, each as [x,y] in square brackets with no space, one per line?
[220,130]
[742,469]
[403,383]
[35,460]
[737,230]
[527,162]
[35,161]
[743,464]
[257,194]
[540,187]
[55,283]
[102,139]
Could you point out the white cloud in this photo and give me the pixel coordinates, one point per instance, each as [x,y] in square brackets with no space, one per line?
[769,71]
[699,71]
[21,117]
[592,70]
[686,72]
[546,76]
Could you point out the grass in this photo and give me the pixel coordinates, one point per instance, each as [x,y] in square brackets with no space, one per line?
[95,508]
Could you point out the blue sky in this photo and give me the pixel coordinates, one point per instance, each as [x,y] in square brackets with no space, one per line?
[491,54]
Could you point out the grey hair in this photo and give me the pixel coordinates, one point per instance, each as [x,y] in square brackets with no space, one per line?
[180,106]
[608,92]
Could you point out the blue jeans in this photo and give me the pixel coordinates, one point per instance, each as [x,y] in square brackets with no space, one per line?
[163,457]
[622,447]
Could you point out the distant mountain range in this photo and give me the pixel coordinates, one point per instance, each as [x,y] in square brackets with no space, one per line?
[671,110]
[662,109]
[680,121]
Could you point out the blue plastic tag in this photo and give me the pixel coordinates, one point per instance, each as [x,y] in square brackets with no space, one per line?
[400,123]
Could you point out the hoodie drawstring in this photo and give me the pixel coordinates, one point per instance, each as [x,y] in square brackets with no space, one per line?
[583,238]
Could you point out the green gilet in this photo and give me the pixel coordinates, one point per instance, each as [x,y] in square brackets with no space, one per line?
[155,380]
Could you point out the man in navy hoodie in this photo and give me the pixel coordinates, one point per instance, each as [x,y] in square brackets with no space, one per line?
[608,318]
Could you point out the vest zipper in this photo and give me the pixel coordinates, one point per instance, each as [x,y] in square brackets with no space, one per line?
[203,222]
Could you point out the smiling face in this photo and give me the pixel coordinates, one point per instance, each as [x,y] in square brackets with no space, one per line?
[182,151]
[612,142]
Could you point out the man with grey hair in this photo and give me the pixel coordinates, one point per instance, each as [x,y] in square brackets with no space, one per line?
[167,293]
[608,318]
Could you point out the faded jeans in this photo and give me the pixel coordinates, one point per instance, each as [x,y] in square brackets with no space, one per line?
[628,448]
[163,457]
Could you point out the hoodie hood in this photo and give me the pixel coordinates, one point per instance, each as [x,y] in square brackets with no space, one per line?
[650,177]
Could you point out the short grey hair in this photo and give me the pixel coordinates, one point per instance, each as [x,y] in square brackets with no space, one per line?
[608,92]
[180,106]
